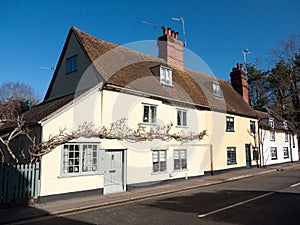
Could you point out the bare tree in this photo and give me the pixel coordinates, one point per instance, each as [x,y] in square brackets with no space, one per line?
[15,98]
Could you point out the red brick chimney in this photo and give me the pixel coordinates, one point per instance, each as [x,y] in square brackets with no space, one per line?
[239,81]
[170,48]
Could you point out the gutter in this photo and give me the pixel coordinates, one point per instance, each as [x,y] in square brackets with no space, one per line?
[145,94]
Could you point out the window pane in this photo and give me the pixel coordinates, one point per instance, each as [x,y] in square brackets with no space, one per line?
[155,166]
[153,114]
[178,117]
[176,164]
[184,118]
[176,154]
[146,113]
[155,156]
[163,166]
[252,126]
[285,152]
[162,156]
[183,164]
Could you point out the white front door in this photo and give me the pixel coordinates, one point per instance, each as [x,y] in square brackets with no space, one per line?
[113,171]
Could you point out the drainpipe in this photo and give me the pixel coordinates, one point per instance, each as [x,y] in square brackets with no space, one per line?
[260,145]
[211,160]
[291,152]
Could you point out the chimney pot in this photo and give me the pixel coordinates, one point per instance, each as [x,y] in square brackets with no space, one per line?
[176,35]
[169,31]
[165,30]
[172,33]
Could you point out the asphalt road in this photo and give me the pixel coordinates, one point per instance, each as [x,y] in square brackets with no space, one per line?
[269,199]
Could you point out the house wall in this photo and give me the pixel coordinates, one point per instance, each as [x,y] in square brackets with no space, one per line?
[220,139]
[85,76]
[103,108]
[87,109]
[139,154]
[279,143]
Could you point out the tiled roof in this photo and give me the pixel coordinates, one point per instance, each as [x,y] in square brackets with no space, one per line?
[42,111]
[265,114]
[131,69]
[128,68]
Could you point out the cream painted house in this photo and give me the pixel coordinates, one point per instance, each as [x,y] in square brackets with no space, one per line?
[99,82]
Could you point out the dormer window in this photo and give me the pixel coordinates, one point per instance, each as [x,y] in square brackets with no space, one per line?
[216,89]
[271,122]
[71,64]
[166,76]
[284,124]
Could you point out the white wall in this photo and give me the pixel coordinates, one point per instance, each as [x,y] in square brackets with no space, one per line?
[279,143]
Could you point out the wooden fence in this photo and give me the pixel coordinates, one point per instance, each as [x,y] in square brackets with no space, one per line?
[18,183]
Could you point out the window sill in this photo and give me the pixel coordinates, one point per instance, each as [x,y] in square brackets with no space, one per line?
[274,159]
[178,126]
[148,124]
[167,85]
[180,170]
[231,164]
[286,157]
[230,131]
[160,172]
[218,97]
[79,175]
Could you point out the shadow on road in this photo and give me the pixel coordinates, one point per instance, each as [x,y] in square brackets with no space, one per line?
[32,215]
[277,208]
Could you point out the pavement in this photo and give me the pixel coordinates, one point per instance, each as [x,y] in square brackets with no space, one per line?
[60,207]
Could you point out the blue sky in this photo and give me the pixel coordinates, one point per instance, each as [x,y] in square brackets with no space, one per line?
[32,33]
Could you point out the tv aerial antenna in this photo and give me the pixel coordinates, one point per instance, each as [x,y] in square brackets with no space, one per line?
[245,53]
[181,20]
[47,68]
[152,24]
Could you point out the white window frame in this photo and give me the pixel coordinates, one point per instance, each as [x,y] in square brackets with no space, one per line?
[216,89]
[159,160]
[285,152]
[181,115]
[150,118]
[229,124]
[272,135]
[76,161]
[286,136]
[231,156]
[271,122]
[284,124]
[180,159]
[71,64]
[166,76]
[273,151]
